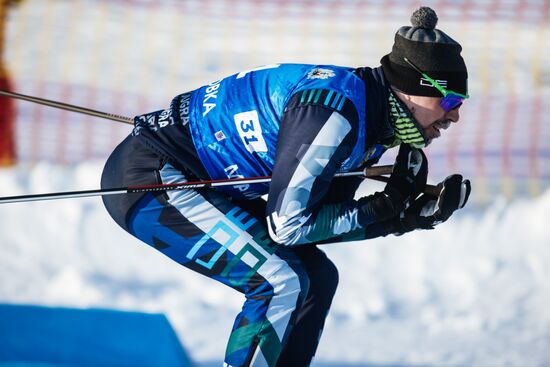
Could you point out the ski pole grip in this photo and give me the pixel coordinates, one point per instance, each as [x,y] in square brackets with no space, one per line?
[378,170]
[432,190]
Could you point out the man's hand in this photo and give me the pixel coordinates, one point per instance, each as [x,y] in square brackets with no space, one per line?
[428,211]
[409,175]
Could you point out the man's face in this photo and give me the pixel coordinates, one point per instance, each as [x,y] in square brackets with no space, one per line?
[429,114]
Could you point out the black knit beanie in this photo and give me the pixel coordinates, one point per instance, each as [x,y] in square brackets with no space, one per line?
[432,51]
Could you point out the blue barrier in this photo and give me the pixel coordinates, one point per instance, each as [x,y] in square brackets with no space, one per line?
[44,336]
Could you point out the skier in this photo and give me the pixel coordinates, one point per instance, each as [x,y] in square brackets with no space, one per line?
[301,124]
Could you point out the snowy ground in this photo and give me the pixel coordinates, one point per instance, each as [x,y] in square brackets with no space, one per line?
[474,292]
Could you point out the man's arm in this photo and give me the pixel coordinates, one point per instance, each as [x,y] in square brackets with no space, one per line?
[314,140]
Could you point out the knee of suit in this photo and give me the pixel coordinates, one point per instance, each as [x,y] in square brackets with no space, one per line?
[330,276]
[288,281]
[324,279]
[321,271]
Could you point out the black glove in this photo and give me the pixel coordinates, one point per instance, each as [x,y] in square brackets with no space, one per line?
[409,175]
[428,211]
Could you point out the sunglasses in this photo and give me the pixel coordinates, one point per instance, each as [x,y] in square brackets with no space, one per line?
[450,100]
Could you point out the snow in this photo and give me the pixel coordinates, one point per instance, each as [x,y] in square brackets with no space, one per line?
[473,292]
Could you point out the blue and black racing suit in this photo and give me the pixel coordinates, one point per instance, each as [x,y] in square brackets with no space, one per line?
[300,124]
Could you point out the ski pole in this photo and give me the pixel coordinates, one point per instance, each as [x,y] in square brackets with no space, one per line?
[371,173]
[368,172]
[68,107]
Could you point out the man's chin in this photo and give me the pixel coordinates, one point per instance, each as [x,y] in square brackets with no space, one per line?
[429,136]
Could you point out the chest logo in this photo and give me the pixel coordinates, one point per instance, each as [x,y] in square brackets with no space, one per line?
[320,73]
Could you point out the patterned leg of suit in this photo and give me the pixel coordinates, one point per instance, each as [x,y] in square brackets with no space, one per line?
[207,233]
[310,320]
[323,280]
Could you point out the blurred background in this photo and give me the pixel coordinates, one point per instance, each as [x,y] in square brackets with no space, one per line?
[473,292]
[132,56]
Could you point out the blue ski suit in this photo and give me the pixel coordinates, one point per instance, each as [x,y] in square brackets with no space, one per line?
[300,124]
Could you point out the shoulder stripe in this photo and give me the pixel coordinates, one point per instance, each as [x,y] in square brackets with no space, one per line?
[326,97]
[311,93]
[336,100]
[341,104]
[317,95]
[329,96]
[303,98]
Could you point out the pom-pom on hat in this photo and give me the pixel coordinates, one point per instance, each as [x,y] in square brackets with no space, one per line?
[432,51]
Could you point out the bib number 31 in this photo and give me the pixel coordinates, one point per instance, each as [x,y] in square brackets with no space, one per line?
[250,131]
